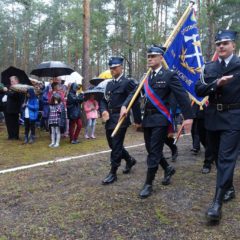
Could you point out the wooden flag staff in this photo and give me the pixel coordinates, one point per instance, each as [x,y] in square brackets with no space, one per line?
[168,42]
[131,103]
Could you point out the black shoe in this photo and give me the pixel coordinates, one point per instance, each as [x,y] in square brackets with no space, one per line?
[206,169]
[146,191]
[110,179]
[129,165]
[229,195]
[167,175]
[174,152]
[214,213]
[195,151]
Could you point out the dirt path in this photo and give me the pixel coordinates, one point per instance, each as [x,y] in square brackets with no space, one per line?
[67,201]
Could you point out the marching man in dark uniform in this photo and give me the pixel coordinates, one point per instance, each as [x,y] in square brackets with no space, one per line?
[222,116]
[116,93]
[159,85]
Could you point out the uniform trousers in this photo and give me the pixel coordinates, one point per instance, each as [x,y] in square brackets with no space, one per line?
[116,144]
[225,147]
[203,136]
[195,135]
[154,140]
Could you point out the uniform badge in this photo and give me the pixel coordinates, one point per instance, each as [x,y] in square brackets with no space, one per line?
[107,95]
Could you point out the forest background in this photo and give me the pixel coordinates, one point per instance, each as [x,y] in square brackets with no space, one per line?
[32,31]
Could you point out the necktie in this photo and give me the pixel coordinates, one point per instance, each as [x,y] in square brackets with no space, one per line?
[223,64]
[153,75]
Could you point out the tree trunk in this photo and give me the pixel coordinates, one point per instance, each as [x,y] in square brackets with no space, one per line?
[86,42]
[179,9]
[76,57]
[158,2]
[129,44]
[165,25]
[26,39]
[211,29]
[14,38]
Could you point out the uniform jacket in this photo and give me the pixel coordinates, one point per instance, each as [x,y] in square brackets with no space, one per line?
[228,94]
[115,95]
[164,84]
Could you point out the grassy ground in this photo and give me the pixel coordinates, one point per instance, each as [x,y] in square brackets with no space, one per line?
[67,200]
[15,153]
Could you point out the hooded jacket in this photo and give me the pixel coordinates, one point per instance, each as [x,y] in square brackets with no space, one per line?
[74,103]
[32,104]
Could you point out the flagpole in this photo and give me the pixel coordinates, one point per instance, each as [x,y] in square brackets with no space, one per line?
[131,103]
[176,30]
[179,25]
[167,44]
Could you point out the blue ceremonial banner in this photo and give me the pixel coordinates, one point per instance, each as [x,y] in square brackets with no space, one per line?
[184,55]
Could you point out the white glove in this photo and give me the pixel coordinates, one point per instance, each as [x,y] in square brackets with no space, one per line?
[4,99]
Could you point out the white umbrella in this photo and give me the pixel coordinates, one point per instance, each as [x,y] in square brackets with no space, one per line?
[98,91]
[74,77]
[103,84]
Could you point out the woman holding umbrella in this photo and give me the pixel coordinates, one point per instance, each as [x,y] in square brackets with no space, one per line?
[13,108]
[10,77]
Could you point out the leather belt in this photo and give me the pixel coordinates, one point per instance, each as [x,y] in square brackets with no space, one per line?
[114,110]
[150,111]
[223,107]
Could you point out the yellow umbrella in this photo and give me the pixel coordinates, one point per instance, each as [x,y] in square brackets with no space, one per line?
[105,75]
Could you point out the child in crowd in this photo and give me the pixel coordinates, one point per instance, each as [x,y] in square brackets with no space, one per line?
[54,119]
[56,88]
[30,107]
[44,108]
[91,109]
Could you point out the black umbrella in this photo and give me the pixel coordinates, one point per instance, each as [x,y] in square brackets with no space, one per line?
[97,92]
[52,69]
[13,71]
[95,81]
